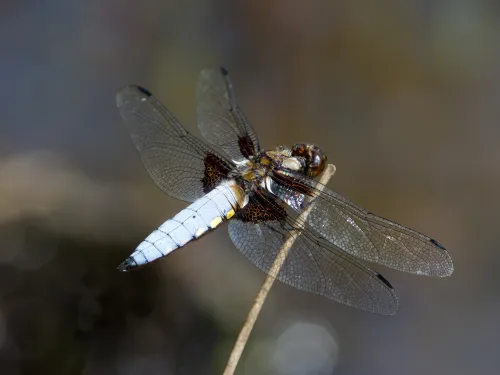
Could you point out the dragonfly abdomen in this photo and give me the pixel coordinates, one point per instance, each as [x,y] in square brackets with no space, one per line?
[203,215]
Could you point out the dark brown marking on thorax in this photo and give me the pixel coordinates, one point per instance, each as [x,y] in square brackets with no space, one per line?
[216,170]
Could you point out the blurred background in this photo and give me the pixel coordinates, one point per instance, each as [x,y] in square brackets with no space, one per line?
[403,96]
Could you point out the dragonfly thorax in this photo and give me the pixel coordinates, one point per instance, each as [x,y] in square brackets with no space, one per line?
[304,158]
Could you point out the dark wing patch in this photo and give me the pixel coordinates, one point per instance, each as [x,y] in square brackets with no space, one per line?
[259,209]
[246,146]
[216,170]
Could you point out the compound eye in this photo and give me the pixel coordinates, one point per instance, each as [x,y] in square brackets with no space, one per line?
[316,163]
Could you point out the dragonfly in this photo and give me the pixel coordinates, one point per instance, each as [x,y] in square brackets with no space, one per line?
[261,193]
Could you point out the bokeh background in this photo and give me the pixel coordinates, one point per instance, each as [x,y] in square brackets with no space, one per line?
[403,96]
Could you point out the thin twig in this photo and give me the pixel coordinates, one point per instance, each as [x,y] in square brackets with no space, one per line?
[239,346]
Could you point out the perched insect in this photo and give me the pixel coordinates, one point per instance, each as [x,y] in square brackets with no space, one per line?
[261,193]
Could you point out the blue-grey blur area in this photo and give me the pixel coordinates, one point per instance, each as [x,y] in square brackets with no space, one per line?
[404,97]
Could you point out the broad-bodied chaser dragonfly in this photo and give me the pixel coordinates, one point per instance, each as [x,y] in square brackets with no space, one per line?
[261,193]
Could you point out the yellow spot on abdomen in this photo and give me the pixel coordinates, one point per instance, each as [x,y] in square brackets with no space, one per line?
[215,222]
[200,231]
[230,214]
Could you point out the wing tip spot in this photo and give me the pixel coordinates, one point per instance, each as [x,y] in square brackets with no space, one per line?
[438,244]
[223,71]
[385,281]
[144,91]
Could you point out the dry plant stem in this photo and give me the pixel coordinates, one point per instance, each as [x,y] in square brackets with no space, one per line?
[239,346]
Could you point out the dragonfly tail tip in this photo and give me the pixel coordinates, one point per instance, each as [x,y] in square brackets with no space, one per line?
[127,265]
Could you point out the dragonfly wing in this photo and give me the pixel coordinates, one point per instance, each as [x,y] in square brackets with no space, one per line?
[220,119]
[364,234]
[179,163]
[312,264]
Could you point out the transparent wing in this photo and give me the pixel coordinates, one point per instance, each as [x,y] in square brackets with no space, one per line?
[312,265]
[178,162]
[365,235]
[220,119]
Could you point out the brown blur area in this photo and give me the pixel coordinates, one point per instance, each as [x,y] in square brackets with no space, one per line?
[404,97]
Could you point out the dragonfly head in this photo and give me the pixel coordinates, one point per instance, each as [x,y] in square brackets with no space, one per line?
[314,158]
